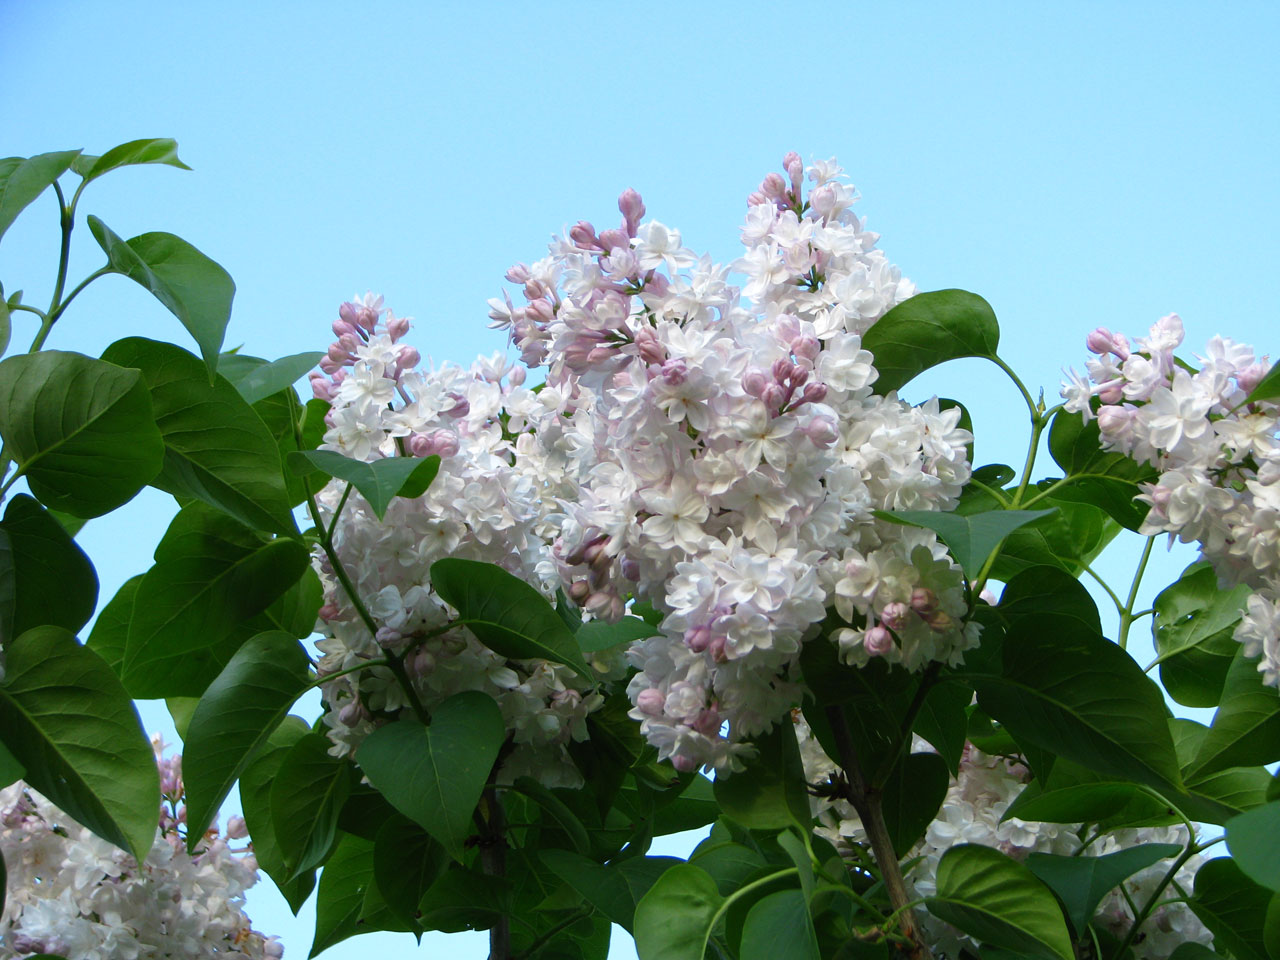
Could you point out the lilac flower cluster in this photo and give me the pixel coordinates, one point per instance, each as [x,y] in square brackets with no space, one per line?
[1218,458]
[73,894]
[974,812]
[493,500]
[723,454]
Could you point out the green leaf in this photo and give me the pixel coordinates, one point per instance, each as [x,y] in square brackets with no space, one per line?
[555,808]
[6,326]
[1000,902]
[194,288]
[1254,840]
[1039,591]
[81,430]
[258,381]
[255,801]
[133,153]
[1233,907]
[234,717]
[24,179]
[695,807]
[1076,694]
[1246,727]
[378,481]
[1082,882]
[942,719]
[44,577]
[464,900]
[601,635]
[971,538]
[406,862]
[771,793]
[217,450]
[613,890]
[306,798]
[778,928]
[280,412]
[912,796]
[11,770]
[1192,628]
[506,614]
[673,921]
[434,775]
[343,883]
[929,329]
[111,628]
[65,717]
[211,575]
[181,710]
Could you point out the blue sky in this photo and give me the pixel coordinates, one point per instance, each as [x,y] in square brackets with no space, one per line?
[1076,165]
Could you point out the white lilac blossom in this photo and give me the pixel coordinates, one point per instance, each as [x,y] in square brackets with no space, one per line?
[72,894]
[973,812]
[493,500]
[721,454]
[1217,456]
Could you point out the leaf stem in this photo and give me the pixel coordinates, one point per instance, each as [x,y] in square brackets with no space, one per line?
[866,801]
[1140,918]
[580,914]
[1126,614]
[66,217]
[1107,587]
[1017,382]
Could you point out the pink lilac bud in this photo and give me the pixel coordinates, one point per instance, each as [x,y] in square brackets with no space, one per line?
[541,310]
[579,590]
[397,327]
[599,604]
[629,568]
[421,663]
[518,273]
[407,359]
[821,431]
[774,396]
[1251,376]
[330,611]
[924,601]
[461,406]
[650,347]
[650,702]
[236,828]
[341,328]
[774,187]
[698,639]
[1112,392]
[352,713]
[716,649]
[754,382]
[675,372]
[615,239]
[822,201]
[795,169]
[684,764]
[594,550]
[388,636]
[813,393]
[338,353]
[798,377]
[584,235]
[806,347]
[781,370]
[516,377]
[632,209]
[708,722]
[329,365]
[877,641]
[894,615]
[1115,422]
[321,387]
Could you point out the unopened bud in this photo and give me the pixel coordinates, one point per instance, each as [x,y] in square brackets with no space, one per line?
[754,382]
[924,601]
[236,829]
[583,234]
[632,209]
[518,273]
[894,615]
[877,641]
[650,702]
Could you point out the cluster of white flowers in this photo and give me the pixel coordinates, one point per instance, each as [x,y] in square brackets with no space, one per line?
[72,894]
[493,500]
[723,455]
[1218,457]
[973,812]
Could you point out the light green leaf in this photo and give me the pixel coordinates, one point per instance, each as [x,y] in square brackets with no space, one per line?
[929,329]
[212,574]
[259,381]
[1254,840]
[1082,882]
[771,793]
[194,288]
[1000,902]
[234,717]
[217,450]
[81,430]
[1076,694]
[598,635]
[1192,628]
[613,890]
[1268,387]
[307,794]
[110,631]
[44,577]
[181,709]
[971,538]
[1233,907]
[434,775]
[378,481]
[506,614]
[24,179]
[133,153]
[65,717]
[778,928]
[674,920]
[6,326]
[1246,728]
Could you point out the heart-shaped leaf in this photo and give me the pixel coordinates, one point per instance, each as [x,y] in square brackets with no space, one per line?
[81,430]
[929,329]
[378,481]
[1246,727]
[68,721]
[307,794]
[778,927]
[44,577]
[675,918]
[255,801]
[193,287]
[771,792]
[613,890]
[1254,840]
[1082,882]
[971,538]
[1233,907]
[1192,628]
[598,635]
[22,179]
[506,614]
[434,775]
[233,719]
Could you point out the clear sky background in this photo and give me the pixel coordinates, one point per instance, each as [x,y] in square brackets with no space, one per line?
[1077,165]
